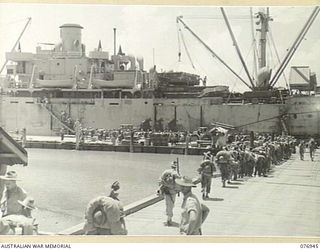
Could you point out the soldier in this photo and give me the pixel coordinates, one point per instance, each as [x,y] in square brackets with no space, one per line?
[241,162]
[206,171]
[3,170]
[260,168]
[11,195]
[169,189]
[77,129]
[103,217]
[114,194]
[24,221]
[223,161]
[235,164]
[24,137]
[193,212]
[302,148]
[312,148]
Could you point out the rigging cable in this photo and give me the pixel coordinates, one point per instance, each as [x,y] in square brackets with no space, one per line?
[179,42]
[236,80]
[270,57]
[278,116]
[186,48]
[277,54]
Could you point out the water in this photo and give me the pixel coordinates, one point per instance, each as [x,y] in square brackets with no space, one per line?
[62,182]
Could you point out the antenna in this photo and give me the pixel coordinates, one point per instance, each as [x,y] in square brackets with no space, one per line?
[114,41]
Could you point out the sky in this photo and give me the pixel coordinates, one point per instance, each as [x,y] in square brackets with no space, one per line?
[151,32]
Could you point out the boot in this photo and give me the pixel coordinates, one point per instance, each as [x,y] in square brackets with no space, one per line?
[169,222]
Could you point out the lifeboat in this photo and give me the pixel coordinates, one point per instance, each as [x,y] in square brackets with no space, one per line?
[68,83]
[98,83]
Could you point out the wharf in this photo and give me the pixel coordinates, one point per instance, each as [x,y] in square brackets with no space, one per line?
[54,142]
[284,204]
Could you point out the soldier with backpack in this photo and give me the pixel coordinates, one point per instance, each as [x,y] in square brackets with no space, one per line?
[206,171]
[169,189]
[193,213]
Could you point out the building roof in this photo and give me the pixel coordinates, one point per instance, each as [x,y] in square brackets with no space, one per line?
[71,25]
[11,152]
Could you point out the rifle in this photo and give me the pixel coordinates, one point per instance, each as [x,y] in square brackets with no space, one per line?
[178,171]
[178,167]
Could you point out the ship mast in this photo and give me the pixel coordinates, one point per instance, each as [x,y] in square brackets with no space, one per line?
[264,19]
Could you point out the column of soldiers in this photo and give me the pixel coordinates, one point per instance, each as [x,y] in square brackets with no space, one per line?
[239,159]
[234,161]
[105,216]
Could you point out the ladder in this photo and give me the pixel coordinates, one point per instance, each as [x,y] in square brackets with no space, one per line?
[45,106]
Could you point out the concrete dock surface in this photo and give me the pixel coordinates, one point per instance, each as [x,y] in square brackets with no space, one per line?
[286,203]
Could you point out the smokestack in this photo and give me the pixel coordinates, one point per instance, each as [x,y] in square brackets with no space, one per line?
[115,41]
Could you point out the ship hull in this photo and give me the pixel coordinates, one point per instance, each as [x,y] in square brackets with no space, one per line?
[299,115]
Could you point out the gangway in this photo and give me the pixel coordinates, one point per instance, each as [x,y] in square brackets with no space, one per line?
[45,106]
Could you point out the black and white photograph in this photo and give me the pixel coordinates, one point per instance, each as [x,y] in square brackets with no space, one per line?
[159,120]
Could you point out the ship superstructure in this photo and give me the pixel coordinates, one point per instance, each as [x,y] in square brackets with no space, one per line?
[105,91]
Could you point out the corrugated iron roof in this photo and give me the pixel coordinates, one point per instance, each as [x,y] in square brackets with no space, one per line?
[11,152]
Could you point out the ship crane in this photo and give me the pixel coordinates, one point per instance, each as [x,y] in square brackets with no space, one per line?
[17,42]
[215,55]
[180,34]
[236,46]
[295,46]
[263,81]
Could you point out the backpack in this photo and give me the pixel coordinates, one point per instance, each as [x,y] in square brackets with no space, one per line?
[205,211]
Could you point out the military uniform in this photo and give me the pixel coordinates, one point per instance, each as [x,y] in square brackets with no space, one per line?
[190,203]
[312,149]
[169,190]
[206,171]
[223,161]
[103,217]
[9,202]
[302,150]
[193,212]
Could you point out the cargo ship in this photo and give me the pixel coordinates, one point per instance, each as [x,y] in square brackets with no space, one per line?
[104,91]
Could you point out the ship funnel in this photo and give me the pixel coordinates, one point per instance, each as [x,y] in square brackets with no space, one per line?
[140,62]
[70,35]
[132,60]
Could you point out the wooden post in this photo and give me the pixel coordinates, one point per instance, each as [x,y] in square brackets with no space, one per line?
[201,116]
[131,141]
[154,116]
[251,139]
